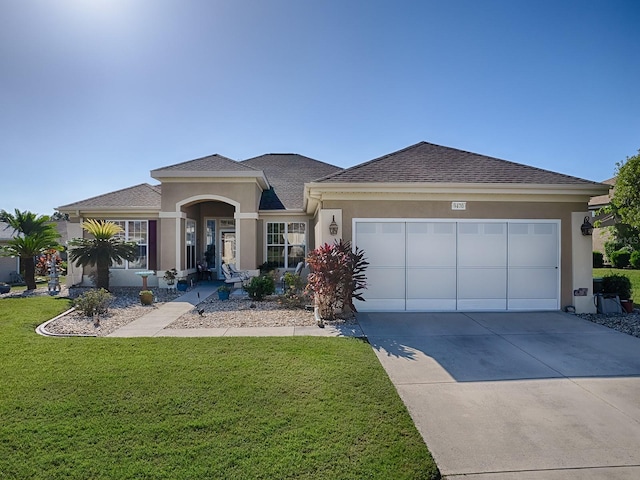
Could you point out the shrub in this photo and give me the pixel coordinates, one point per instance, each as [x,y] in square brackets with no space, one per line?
[598,260]
[620,258]
[294,296]
[94,302]
[337,277]
[259,287]
[618,284]
[634,260]
[611,246]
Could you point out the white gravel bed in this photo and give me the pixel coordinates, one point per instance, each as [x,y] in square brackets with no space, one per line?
[124,308]
[243,312]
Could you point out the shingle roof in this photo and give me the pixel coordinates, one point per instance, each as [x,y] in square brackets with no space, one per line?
[287,173]
[143,196]
[207,164]
[429,163]
[602,200]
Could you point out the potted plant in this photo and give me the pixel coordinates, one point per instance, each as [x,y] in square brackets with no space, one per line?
[170,276]
[619,285]
[146,297]
[182,285]
[223,292]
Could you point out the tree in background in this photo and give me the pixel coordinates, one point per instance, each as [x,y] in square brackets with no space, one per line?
[102,250]
[626,194]
[34,235]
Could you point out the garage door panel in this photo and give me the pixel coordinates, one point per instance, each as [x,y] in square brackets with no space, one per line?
[431,283]
[533,244]
[431,244]
[385,283]
[433,304]
[529,283]
[383,243]
[482,283]
[482,244]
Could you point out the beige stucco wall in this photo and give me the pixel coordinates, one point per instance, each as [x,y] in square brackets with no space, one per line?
[246,194]
[474,210]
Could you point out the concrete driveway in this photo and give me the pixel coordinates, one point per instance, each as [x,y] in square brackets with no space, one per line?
[516,395]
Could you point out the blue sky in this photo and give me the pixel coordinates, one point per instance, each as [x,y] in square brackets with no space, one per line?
[96,93]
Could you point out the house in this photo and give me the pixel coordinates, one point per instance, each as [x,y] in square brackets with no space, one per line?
[9,266]
[600,234]
[443,229]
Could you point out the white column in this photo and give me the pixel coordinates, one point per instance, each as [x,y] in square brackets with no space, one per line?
[325,217]
[581,264]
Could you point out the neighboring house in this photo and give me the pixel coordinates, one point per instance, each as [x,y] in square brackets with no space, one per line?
[8,265]
[600,234]
[443,229]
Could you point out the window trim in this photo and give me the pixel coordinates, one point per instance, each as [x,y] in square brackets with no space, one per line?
[286,245]
[126,237]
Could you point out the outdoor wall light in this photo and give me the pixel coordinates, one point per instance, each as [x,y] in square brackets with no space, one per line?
[586,227]
[333,227]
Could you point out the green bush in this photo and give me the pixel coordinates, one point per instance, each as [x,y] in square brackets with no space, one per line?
[94,302]
[620,258]
[294,295]
[635,259]
[618,284]
[260,287]
[598,260]
[612,246]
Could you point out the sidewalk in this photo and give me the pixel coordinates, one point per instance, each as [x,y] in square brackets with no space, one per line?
[153,324]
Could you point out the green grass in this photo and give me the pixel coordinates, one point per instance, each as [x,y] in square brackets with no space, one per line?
[634,276]
[295,407]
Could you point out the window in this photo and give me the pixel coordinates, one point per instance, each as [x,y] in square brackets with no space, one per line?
[134,231]
[286,243]
[190,242]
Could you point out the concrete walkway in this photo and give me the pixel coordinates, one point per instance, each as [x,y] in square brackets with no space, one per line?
[154,323]
[516,396]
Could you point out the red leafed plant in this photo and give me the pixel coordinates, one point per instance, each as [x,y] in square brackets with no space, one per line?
[337,277]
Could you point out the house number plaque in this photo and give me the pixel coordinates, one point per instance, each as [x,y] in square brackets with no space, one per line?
[458,205]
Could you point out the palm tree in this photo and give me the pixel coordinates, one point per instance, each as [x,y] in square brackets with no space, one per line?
[34,236]
[101,250]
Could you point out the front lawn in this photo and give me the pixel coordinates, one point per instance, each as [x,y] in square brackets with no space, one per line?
[634,276]
[295,407]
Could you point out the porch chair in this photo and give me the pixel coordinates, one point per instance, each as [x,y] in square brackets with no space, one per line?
[244,274]
[229,276]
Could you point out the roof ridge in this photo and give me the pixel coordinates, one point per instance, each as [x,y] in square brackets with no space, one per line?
[294,154]
[222,157]
[360,165]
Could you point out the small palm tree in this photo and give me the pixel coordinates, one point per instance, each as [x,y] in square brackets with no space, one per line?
[34,236]
[101,250]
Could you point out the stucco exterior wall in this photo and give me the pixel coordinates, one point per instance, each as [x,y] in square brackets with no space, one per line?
[246,194]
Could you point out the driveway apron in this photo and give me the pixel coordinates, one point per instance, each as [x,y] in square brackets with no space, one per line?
[535,395]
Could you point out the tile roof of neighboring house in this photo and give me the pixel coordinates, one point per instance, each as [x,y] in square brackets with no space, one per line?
[144,196]
[429,163]
[207,164]
[602,200]
[287,173]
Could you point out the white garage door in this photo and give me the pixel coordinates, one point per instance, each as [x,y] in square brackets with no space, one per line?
[460,265]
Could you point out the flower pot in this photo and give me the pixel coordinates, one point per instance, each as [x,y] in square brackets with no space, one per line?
[627,305]
[146,298]
[223,295]
[182,286]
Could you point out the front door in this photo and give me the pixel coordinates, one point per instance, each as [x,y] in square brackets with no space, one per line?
[228,247]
